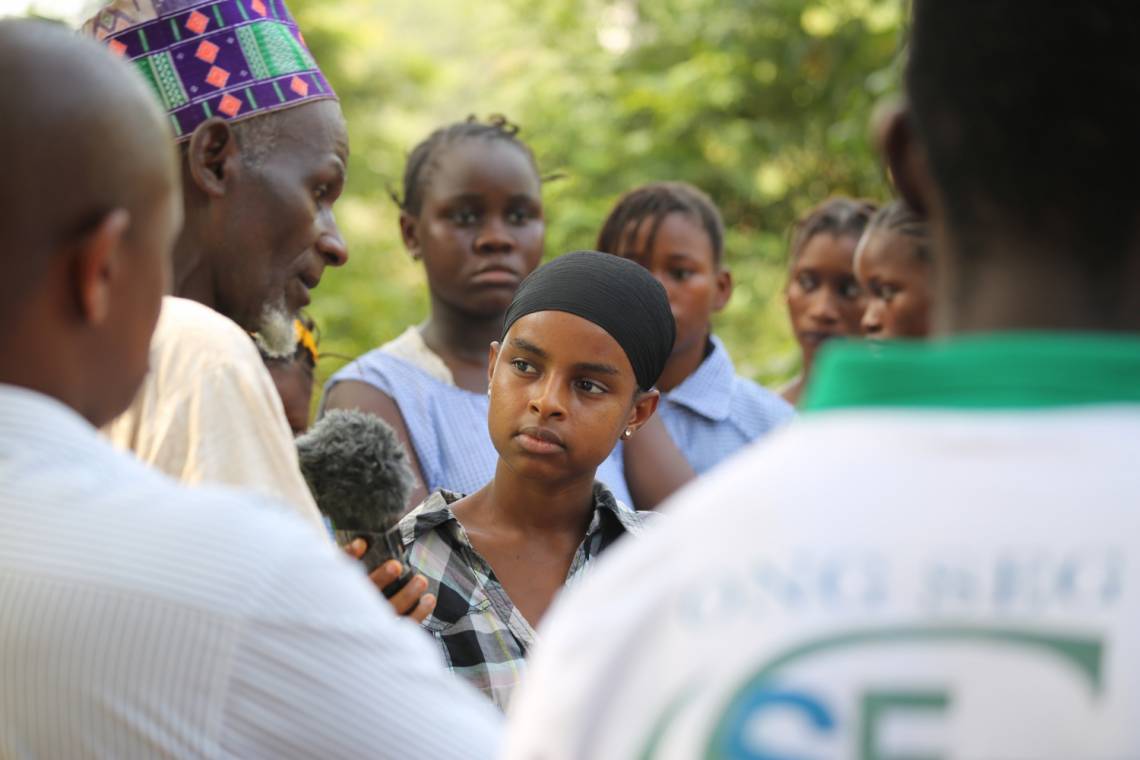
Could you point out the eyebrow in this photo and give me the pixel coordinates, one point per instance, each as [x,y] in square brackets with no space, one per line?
[526,345]
[601,369]
[464,198]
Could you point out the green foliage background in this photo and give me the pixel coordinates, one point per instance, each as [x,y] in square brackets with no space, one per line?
[763,103]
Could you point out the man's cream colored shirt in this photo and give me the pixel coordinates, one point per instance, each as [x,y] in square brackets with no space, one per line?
[208,411]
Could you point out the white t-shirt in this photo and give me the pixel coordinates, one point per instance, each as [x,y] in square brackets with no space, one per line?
[208,411]
[876,581]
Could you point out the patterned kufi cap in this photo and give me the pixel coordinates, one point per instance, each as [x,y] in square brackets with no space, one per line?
[229,58]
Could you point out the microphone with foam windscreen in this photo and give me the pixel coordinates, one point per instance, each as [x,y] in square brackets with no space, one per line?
[360,478]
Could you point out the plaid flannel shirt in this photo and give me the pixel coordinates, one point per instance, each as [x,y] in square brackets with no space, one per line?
[483,636]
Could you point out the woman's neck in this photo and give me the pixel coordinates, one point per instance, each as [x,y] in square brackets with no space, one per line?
[683,363]
[540,506]
[457,336]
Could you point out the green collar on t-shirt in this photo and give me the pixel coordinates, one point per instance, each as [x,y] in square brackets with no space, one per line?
[983,371]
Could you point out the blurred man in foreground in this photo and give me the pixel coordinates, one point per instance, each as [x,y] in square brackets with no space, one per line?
[942,558]
[138,617]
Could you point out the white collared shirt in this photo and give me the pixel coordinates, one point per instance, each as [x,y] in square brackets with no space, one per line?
[142,618]
[208,411]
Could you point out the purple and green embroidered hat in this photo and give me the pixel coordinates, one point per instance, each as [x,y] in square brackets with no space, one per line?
[228,58]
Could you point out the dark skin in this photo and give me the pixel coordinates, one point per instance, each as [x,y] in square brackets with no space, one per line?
[683,261]
[87,270]
[261,231]
[895,280]
[294,380]
[698,285]
[824,299]
[1020,288]
[479,233]
[562,393]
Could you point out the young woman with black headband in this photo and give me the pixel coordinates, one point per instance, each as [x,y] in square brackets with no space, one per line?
[571,376]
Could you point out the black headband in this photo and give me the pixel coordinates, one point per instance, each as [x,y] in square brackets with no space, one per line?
[616,294]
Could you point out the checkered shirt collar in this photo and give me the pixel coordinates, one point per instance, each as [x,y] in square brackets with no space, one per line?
[436,511]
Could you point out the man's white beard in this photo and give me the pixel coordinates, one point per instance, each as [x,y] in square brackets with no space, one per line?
[275,334]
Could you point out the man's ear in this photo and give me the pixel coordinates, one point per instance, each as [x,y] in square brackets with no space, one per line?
[98,256]
[212,153]
[410,234]
[492,359]
[643,408]
[905,159]
[723,289]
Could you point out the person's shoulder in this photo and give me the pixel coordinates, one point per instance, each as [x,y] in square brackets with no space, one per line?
[757,408]
[740,496]
[432,512]
[267,553]
[196,333]
[213,548]
[398,371]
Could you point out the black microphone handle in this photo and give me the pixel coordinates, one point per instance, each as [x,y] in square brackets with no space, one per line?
[382,546]
[394,587]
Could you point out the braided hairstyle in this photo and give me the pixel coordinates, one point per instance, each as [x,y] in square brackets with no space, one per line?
[838,217]
[652,203]
[898,217]
[423,158]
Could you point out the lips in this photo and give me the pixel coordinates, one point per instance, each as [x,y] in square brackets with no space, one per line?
[306,281]
[537,440]
[496,276]
[815,337]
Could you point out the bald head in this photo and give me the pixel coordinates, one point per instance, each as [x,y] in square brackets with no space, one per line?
[83,136]
[89,208]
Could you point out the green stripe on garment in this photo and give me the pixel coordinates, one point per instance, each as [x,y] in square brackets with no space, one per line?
[250,98]
[218,17]
[1013,370]
[241,10]
[280,95]
[143,41]
[176,125]
[206,108]
[175,31]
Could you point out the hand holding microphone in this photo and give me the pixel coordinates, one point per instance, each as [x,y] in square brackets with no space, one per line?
[359,475]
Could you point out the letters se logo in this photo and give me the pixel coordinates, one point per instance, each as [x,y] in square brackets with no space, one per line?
[899,694]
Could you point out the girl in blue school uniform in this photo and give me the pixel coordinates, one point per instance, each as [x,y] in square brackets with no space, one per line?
[709,412]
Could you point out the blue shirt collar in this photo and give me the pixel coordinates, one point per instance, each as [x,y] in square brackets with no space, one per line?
[708,391]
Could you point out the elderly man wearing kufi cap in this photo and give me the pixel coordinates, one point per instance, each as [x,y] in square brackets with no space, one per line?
[263,151]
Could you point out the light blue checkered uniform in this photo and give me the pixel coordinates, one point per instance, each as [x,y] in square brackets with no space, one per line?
[714,413]
[448,425]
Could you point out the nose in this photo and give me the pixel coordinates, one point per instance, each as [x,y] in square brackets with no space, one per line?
[824,307]
[494,237]
[872,323]
[549,401]
[330,244]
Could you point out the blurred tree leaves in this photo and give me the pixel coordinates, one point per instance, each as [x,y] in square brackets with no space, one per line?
[762,103]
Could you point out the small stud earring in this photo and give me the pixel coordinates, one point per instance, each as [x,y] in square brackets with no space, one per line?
[627,434]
